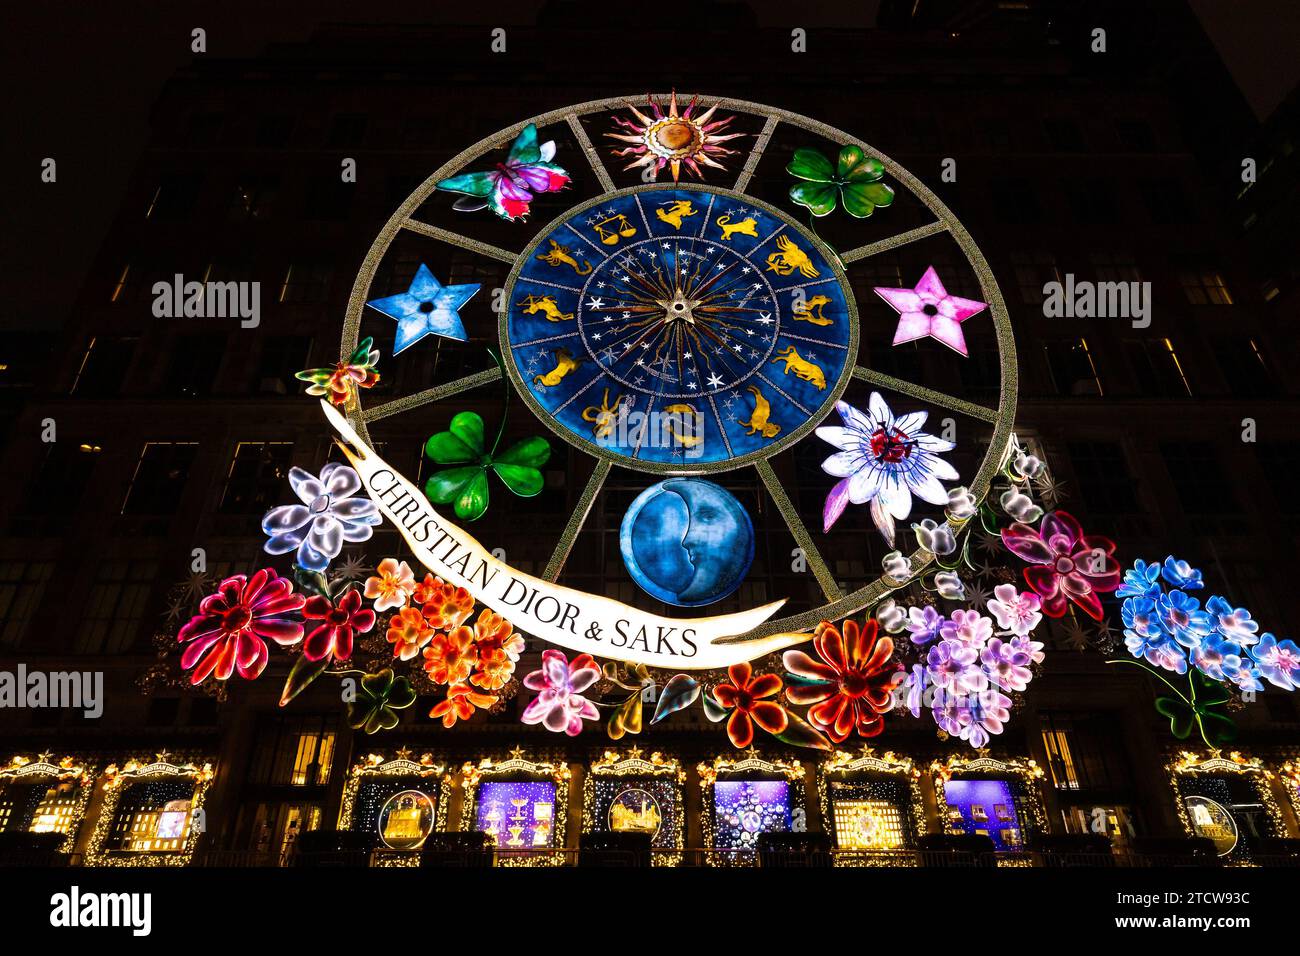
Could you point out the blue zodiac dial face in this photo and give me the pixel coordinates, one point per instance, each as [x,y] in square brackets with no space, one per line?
[679,329]
[687,542]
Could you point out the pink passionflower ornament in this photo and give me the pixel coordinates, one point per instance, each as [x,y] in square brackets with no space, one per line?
[928,310]
[232,627]
[1017,612]
[1066,564]
[559,705]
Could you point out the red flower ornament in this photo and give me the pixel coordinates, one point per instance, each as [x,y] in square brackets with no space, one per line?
[1065,563]
[745,696]
[856,676]
[232,627]
[340,623]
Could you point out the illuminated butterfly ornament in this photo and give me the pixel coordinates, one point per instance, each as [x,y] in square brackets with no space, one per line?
[509,188]
[341,382]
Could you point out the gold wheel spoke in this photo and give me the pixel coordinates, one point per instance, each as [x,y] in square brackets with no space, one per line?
[577,520]
[920,392]
[456,239]
[430,395]
[893,242]
[756,154]
[799,530]
[585,144]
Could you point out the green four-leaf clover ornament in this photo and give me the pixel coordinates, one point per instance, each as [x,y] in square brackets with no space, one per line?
[465,484]
[853,180]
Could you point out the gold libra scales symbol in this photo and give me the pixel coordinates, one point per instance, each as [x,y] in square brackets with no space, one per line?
[613,228]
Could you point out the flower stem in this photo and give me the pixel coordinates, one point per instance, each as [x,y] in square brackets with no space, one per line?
[505,402]
[1158,677]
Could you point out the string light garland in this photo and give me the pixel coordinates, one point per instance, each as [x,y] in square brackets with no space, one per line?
[1024,776]
[750,768]
[22,770]
[518,765]
[1189,765]
[862,773]
[119,780]
[659,777]
[1290,774]
[375,769]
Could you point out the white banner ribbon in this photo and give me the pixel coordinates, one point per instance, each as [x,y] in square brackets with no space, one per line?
[586,623]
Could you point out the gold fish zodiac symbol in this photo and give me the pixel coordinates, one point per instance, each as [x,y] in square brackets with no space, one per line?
[564,364]
[676,212]
[690,421]
[562,256]
[758,423]
[811,311]
[613,228]
[603,418]
[789,258]
[803,369]
[545,304]
[746,227]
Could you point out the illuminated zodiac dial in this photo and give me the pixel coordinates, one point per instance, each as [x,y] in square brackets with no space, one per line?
[679,327]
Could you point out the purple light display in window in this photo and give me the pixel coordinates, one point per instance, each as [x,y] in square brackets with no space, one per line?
[517,813]
[985,807]
[745,808]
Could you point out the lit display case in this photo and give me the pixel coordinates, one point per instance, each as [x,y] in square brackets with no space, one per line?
[521,804]
[38,796]
[631,793]
[1000,799]
[744,798]
[152,813]
[1228,800]
[400,800]
[871,805]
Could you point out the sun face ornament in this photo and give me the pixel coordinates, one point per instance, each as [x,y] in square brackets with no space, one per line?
[674,139]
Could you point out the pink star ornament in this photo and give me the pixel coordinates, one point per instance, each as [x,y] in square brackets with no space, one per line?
[928,310]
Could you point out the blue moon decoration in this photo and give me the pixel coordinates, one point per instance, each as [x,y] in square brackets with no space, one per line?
[687,542]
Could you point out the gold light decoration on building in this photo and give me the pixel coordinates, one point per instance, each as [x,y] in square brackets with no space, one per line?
[69,786]
[752,768]
[523,847]
[167,825]
[1189,764]
[1023,774]
[872,824]
[375,766]
[648,816]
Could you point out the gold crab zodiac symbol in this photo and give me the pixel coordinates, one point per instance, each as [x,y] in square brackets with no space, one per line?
[690,420]
[803,369]
[545,304]
[789,258]
[676,212]
[758,423]
[811,311]
[562,256]
[603,418]
[746,227]
[564,364]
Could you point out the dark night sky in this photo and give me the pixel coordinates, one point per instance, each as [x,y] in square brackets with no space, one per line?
[80,79]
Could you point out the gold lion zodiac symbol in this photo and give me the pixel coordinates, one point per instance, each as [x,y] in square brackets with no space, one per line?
[746,227]
[690,419]
[564,364]
[803,369]
[603,418]
[758,423]
[789,258]
[545,304]
[676,212]
[562,256]
[811,311]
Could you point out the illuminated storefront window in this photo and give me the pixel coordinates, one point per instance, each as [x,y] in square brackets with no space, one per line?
[870,803]
[521,804]
[993,798]
[150,814]
[401,801]
[37,796]
[631,794]
[744,799]
[1228,800]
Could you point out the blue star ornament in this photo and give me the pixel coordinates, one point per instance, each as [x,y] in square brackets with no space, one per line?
[427,308]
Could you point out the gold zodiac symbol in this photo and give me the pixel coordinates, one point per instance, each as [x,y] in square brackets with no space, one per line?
[564,364]
[604,417]
[676,212]
[758,422]
[547,305]
[693,434]
[790,257]
[561,256]
[746,227]
[811,311]
[621,228]
[803,369]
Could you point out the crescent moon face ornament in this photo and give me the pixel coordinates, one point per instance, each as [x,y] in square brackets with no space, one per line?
[687,542]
